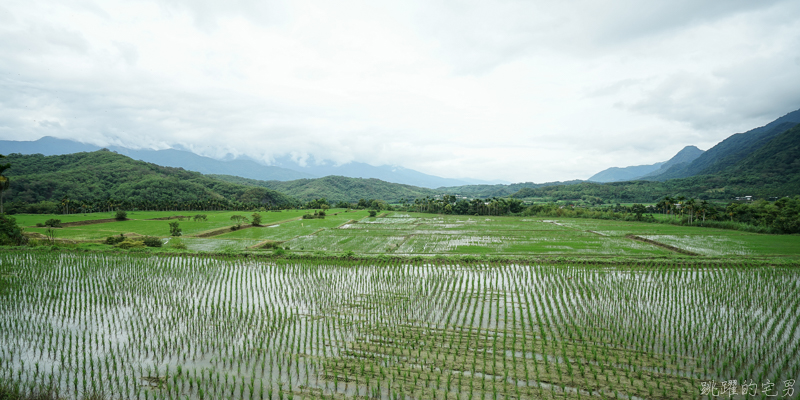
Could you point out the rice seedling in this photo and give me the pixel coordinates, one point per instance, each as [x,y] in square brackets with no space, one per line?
[143,327]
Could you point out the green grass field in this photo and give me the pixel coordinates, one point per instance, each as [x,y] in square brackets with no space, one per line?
[413,234]
[144,223]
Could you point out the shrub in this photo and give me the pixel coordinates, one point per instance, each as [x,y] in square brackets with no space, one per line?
[53,223]
[152,241]
[10,233]
[51,235]
[130,244]
[256,219]
[372,213]
[238,219]
[112,240]
[121,215]
[174,229]
[316,215]
[200,217]
[176,243]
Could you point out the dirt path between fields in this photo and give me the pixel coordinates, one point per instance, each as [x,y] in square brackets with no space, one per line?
[227,229]
[662,245]
[88,222]
[168,218]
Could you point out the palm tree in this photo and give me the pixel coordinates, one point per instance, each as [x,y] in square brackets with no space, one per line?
[704,207]
[4,182]
[65,204]
[668,204]
[680,200]
[690,204]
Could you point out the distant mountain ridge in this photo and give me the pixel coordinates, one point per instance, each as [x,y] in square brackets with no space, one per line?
[50,146]
[763,162]
[338,188]
[618,174]
[733,149]
[285,169]
[684,157]
[388,173]
[621,174]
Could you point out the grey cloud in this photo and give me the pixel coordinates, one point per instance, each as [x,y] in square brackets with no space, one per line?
[623,21]
[128,52]
[478,36]
[206,13]
[6,17]
[97,85]
[91,7]
[736,96]
[18,40]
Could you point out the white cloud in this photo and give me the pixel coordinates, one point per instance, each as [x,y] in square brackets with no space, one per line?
[514,90]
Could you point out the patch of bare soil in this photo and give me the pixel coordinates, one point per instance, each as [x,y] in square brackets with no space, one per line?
[172,217]
[267,244]
[88,222]
[220,231]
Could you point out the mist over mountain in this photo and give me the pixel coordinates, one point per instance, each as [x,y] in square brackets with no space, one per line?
[388,173]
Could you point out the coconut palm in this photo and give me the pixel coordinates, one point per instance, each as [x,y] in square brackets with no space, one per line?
[690,205]
[4,182]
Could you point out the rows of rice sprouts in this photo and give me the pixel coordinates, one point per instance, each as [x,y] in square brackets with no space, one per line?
[143,327]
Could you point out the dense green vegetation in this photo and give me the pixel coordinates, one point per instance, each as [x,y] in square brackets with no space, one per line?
[448,204]
[487,191]
[337,189]
[104,180]
[10,232]
[4,183]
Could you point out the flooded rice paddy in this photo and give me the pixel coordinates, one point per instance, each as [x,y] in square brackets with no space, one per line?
[144,327]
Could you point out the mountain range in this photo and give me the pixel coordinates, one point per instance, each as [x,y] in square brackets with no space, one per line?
[732,150]
[284,168]
[620,174]
[763,162]
[691,161]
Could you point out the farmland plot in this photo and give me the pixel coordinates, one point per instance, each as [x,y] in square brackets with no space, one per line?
[143,327]
[427,234]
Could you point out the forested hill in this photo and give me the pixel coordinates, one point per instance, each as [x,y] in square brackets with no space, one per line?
[95,179]
[338,188]
[773,170]
[733,149]
[487,191]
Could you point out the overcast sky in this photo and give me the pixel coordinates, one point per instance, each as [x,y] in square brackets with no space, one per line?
[514,90]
